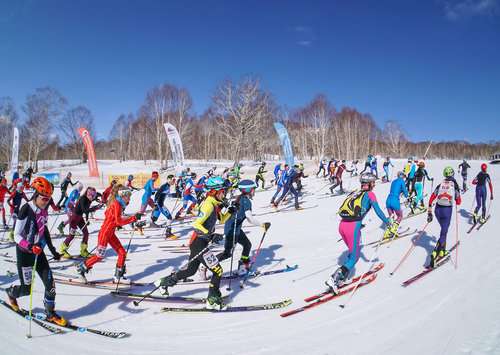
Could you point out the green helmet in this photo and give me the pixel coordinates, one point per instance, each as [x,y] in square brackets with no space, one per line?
[448,171]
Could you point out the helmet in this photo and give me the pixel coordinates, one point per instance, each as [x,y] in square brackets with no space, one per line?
[42,186]
[130,177]
[421,163]
[79,186]
[92,191]
[401,174]
[367,178]
[215,183]
[410,159]
[246,186]
[124,192]
[155,175]
[484,167]
[448,171]
[69,174]
[193,174]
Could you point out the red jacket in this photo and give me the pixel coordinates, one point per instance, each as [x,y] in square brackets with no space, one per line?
[113,218]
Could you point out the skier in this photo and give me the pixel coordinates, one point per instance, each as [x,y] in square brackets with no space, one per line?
[276,173]
[211,171]
[77,220]
[373,166]
[117,202]
[188,200]
[288,178]
[31,238]
[130,178]
[368,163]
[160,195]
[462,169]
[386,165]
[15,200]
[418,203]
[352,211]
[260,175]
[298,177]
[69,206]
[338,177]
[393,204]
[480,181]
[444,194]
[410,169]
[149,190]
[240,210]
[280,179]
[64,187]
[321,168]
[203,234]
[3,191]
[354,168]
[107,192]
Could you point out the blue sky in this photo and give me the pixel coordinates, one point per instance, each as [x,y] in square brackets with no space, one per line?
[431,65]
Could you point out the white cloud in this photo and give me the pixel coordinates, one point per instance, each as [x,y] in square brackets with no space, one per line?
[460,9]
[304,35]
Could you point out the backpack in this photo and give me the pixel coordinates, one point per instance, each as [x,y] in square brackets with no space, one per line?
[446,193]
[351,209]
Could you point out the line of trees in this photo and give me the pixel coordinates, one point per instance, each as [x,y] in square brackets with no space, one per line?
[237,125]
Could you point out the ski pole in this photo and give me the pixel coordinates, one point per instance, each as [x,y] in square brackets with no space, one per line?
[31,296]
[410,250]
[232,251]
[136,303]
[372,262]
[126,253]
[53,224]
[456,237]
[254,257]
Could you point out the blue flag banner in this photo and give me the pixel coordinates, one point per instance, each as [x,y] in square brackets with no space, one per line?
[286,144]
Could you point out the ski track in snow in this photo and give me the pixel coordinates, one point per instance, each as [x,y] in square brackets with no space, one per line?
[449,311]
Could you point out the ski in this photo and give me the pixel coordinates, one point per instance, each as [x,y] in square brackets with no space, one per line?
[438,264]
[79,329]
[285,210]
[330,296]
[252,275]
[402,234]
[355,279]
[262,307]
[410,215]
[25,314]
[105,285]
[132,295]
[472,228]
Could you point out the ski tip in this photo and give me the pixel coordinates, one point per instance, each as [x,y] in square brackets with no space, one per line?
[135,303]
[342,306]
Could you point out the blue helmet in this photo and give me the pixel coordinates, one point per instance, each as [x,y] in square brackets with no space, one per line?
[215,183]
[130,177]
[246,185]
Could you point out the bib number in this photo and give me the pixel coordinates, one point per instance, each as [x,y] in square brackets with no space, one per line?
[210,259]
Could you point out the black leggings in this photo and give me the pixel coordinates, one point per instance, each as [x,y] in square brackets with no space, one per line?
[242,239]
[25,262]
[62,199]
[259,178]
[196,247]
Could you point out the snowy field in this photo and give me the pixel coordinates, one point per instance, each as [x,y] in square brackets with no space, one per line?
[450,311]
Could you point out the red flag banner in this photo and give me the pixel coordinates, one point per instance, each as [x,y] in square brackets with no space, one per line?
[89,147]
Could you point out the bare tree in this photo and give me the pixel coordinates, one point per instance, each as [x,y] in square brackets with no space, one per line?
[8,119]
[395,137]
[42,109]
[120,134]
[69,123]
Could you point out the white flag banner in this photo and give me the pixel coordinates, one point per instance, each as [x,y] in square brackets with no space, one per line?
[175,145]
[14,162]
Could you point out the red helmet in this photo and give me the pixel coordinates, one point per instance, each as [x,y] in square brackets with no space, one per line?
[42,186]
[484,167]
[155,174]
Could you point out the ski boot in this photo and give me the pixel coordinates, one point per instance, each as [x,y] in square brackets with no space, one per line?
[243,267]
[60,228]
[5,226]
[52,316]
[63,249]
[12,300]
[214,300]
[482,220]
[11,235]
[153,224]
[166,282]
[82,269]
[84,253]
[337,280]
[120,275]
[475,217]
[169,235]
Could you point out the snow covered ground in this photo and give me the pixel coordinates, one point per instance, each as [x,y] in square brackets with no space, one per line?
[450,311]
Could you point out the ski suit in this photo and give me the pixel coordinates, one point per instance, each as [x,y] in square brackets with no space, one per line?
[149,189]
[462,168]
[480,181]
[392,203]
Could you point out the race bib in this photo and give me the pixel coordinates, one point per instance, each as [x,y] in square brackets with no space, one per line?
[210,259]
[27,274]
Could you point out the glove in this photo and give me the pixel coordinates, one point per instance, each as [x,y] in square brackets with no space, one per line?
[232,209]
[138,216]
[140,224]
[56,255]
[429,217]
[224,204]
[36,249]
[217,238]
[266,226]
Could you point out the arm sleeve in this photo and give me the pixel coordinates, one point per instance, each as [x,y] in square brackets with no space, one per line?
[20,224]
[434,195]
[490,184]
[373,202]
[404,189]
[254,221]
[206,210]
[119,220]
